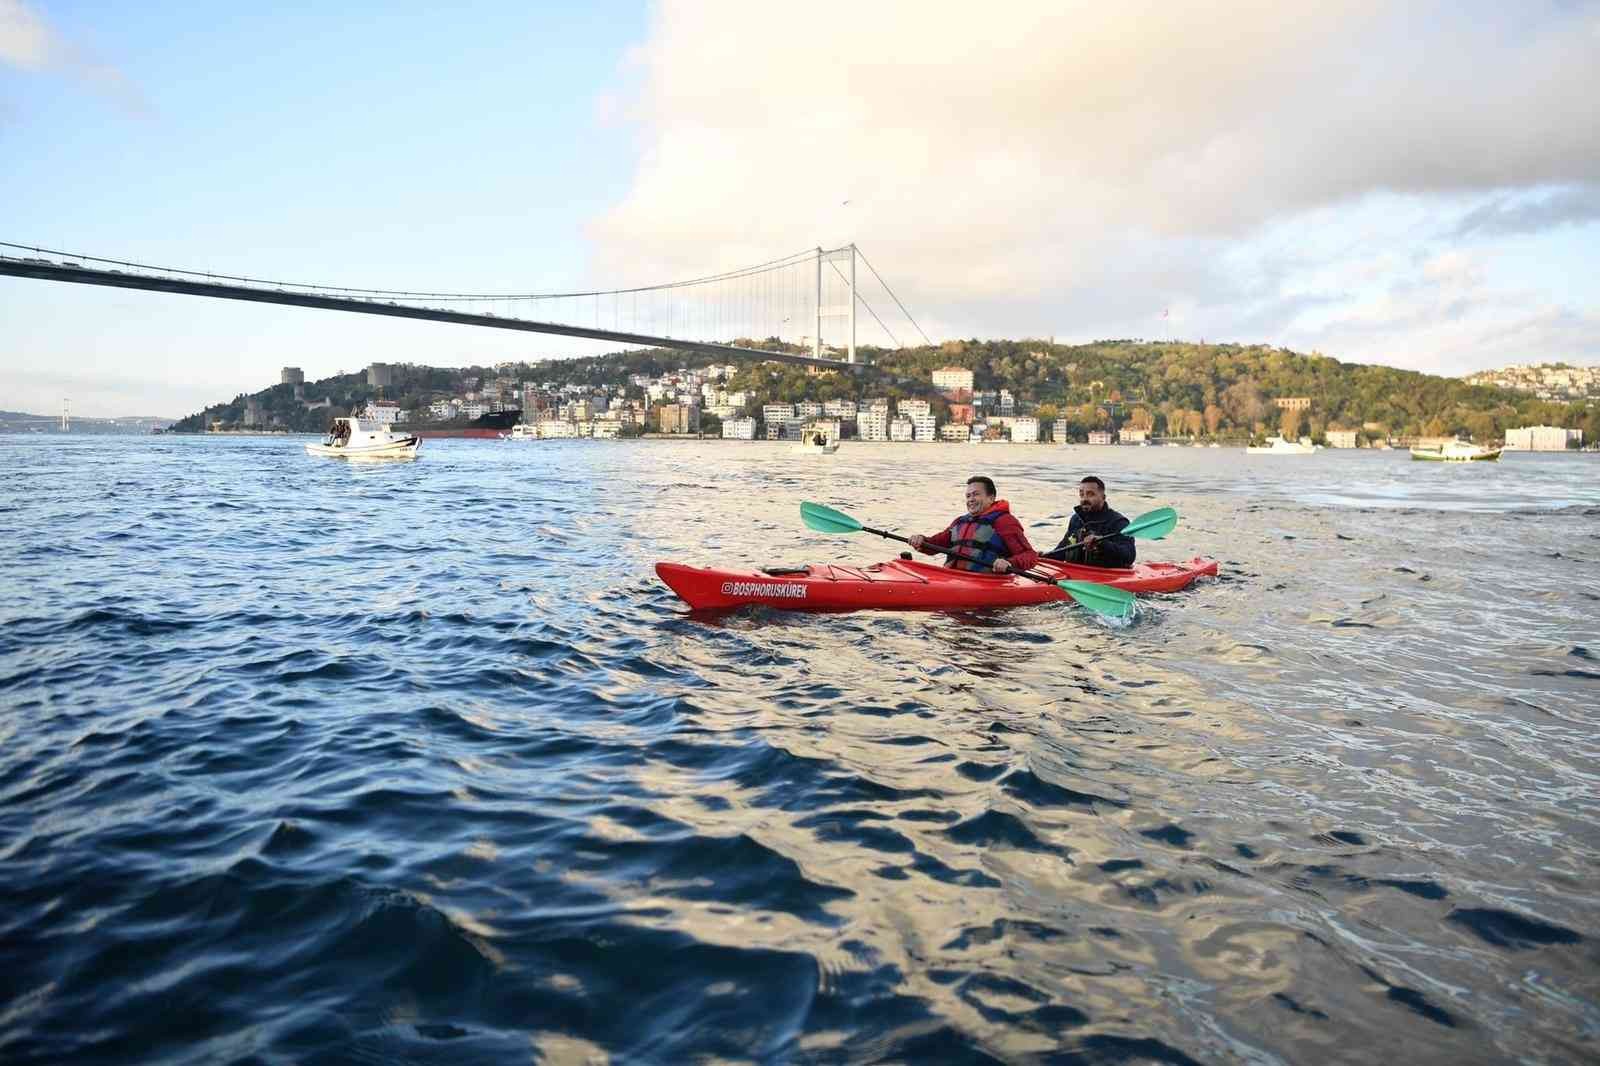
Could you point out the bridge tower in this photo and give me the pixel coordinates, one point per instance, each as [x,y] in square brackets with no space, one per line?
[832,312]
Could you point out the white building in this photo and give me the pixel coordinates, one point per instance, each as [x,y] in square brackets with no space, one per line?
[839,408]
[950,378]
[777,412]
[1100,436]
[901,429]
[605,429]
[738,429]
[1025,430]
[954,431]
[1542,439]
[383,412]
[873,424]
[1341,438]
[913,408]
[474,410]
[808,409]
[1061,430]
[1130,435]
[925,428]
[443,410]
[551,429]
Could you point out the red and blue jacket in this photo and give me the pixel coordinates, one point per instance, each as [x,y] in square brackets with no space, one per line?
[981,539]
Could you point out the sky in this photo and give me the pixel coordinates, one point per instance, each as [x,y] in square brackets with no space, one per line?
[1413,184]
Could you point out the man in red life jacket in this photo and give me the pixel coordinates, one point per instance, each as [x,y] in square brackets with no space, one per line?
[988,537]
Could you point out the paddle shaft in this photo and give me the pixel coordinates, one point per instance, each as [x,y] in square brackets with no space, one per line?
[953,551]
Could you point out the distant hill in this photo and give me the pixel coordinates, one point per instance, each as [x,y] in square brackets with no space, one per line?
[21,422]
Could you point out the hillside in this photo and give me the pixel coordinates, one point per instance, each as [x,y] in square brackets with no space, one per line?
[1173,388]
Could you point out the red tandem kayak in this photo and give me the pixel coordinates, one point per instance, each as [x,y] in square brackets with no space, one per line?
[908,585]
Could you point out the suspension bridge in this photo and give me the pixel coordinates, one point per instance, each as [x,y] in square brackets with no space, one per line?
[818,302]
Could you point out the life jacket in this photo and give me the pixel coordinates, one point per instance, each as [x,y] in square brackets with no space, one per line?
[974,540]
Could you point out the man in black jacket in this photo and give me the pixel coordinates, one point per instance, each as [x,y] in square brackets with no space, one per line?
[1094,534]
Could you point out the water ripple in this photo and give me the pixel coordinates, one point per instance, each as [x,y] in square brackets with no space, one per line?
[308,762]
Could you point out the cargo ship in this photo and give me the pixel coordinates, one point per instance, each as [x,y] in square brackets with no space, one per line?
[487,426]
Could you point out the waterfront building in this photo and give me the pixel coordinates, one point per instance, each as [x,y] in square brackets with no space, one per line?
[1062,429]
[679,418]
[1025,430]
[924,426]
[739,429]
[873,424]
[808,409]
[954,431]
[1543,439]
[556,429]
[913,408]
[1100,436]
[901,429]
[1341,438]
[1129,435]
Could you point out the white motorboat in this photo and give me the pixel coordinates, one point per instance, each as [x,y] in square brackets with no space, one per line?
[1456,451]
[815,442]
[521,431]
[1279,446]
[348,439]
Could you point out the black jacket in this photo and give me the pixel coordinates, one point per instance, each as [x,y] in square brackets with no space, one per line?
[1113,551]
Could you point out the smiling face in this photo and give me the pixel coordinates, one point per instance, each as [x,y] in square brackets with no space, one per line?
[1091,497]
[978,499]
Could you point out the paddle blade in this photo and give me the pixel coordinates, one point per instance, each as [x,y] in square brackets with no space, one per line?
[1152,525]
[1101,599]
[827,520]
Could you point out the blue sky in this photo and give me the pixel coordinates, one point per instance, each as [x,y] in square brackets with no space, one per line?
[1419,188]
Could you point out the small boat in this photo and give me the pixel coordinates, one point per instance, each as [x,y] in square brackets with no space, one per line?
[349,440]
[521,431]
[1456,451]
[815,442]
[1279,446]
[909,585]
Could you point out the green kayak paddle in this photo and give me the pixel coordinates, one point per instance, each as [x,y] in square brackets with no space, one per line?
[1152,525]
[1101,599]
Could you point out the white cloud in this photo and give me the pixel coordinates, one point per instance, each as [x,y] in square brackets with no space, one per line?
[29,43]
[25,41]
[1071,167]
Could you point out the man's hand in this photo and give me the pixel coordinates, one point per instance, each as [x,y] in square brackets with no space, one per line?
[1089,539]
[1002,565]
[918,540]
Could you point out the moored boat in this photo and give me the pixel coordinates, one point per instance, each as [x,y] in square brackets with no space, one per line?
[348,439]
[1279,446]
[1456,451]
[909,585]
[815,442]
